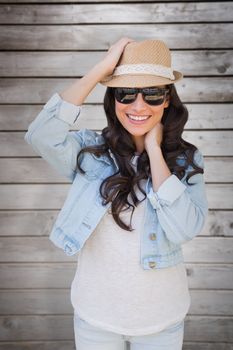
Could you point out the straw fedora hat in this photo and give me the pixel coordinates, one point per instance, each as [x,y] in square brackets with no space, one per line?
[143,64]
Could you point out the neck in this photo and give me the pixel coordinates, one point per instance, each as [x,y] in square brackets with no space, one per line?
[139,143]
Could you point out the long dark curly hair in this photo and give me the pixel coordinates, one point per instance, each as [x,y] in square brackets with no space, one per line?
[118,140]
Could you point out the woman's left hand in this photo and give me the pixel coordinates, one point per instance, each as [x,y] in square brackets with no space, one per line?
[154,136]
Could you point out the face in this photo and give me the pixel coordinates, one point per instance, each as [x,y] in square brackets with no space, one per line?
[139,108]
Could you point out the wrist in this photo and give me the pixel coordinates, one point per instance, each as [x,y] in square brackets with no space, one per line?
[101,69]
[153,148]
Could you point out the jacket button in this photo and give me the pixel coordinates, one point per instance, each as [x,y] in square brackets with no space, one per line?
[152,264]
[152,236]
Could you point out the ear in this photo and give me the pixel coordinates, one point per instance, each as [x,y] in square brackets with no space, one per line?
[167,102]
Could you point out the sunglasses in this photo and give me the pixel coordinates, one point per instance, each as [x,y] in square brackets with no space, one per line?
[154,96]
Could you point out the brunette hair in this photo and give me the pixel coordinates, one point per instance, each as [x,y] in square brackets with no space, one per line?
[117,187]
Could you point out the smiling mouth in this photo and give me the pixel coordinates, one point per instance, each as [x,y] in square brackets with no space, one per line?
[138,119]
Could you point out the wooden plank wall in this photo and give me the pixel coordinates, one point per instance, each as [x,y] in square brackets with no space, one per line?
[45,45]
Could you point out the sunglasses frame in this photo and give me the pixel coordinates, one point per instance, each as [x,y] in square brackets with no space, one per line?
[141,90]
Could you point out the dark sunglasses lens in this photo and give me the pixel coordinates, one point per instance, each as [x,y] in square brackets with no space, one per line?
[125,95]
[154,97]
[154,100]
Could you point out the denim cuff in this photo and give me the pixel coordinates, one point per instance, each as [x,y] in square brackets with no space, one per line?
[168,192]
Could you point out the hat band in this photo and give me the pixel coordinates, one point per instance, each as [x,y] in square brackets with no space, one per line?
[145,68]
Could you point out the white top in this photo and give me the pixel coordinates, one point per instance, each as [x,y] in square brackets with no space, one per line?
[110,289]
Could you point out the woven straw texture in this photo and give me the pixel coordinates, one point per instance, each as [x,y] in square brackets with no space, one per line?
[147,51]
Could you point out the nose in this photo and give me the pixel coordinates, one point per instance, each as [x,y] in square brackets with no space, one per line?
[139,104]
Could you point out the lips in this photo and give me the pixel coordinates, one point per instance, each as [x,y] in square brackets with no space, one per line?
[142,120]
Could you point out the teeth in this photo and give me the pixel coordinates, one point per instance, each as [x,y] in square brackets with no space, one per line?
[139,117]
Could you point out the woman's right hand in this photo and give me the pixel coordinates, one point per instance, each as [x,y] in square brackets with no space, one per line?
[113,55]
[80,89]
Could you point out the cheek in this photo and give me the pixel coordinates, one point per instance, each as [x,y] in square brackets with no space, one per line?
[119,107]
[120,110]
[158,109]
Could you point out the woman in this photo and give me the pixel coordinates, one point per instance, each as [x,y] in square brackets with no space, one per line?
[137,195]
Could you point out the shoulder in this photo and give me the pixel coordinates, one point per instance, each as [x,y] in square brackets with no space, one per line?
[89,137]
[197,158]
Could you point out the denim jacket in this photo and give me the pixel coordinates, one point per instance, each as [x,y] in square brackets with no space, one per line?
[173,215]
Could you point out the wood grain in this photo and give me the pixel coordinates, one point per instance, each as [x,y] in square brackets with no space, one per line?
[83,37]
[44,47]
[108,13]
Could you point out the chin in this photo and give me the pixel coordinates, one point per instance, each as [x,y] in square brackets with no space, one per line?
[138,132]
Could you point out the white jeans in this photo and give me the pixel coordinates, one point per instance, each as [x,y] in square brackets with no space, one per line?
[88,337]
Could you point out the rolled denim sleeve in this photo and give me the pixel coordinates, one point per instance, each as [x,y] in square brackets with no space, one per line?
[50,137]
[181,209]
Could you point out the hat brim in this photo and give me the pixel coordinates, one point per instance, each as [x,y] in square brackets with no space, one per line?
[139,80]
